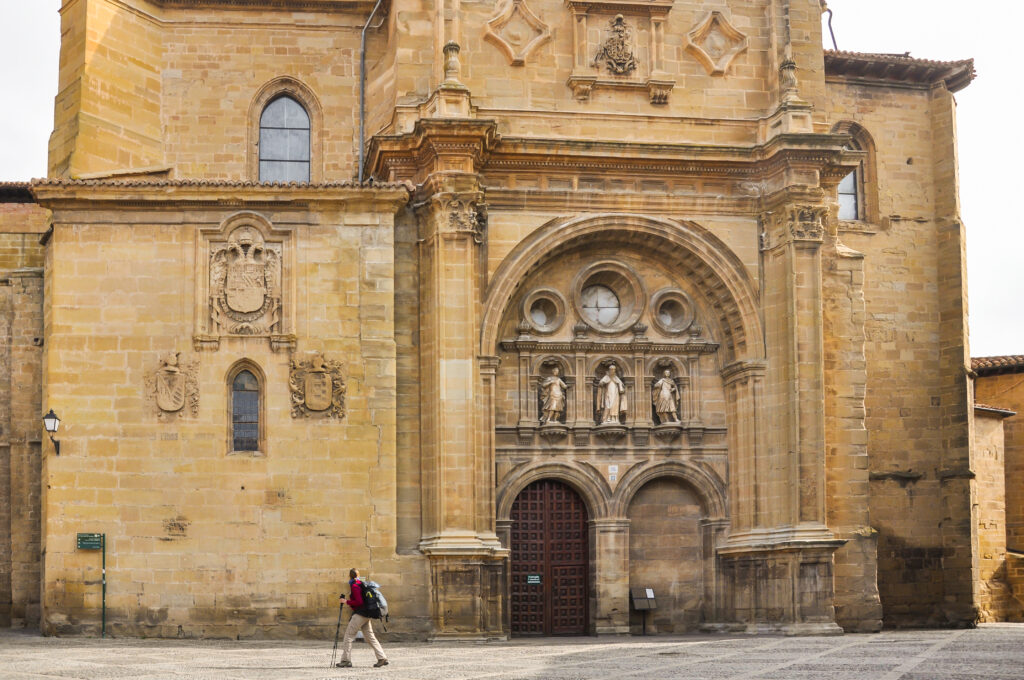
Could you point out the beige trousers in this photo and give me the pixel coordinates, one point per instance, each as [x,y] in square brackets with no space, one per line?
[355,624]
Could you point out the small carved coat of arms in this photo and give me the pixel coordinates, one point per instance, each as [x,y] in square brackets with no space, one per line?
[175,385]
[617,49]
[245,284]
[318,387]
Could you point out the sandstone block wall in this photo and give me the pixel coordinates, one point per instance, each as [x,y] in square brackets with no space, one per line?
[996,601]
[200,542]
[917,415]
[1007,391]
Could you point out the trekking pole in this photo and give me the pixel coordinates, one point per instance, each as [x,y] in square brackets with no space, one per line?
[336,632]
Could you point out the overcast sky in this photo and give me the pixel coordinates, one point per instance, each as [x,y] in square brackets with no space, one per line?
[990,140]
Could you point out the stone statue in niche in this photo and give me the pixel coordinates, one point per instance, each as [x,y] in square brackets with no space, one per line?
[318,387]
[174,385]
[245,284]
[552,395]
[665,396]
[611,397]
[617,49]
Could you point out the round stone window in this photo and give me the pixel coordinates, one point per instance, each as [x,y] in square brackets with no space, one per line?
[608,296]
[673,311]
[544,310]
[600,304]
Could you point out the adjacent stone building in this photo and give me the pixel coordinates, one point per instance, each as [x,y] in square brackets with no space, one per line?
[525,308]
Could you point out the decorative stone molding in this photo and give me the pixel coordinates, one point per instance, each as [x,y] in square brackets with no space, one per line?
[174,385]
[286,86]
[317,387]
[793,223]
[614,61]
[516,31]
[245,284]
[715,43]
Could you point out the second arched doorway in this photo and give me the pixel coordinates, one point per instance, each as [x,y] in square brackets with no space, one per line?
[550,561]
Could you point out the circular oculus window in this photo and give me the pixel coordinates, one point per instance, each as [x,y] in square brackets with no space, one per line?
[544,310]
[600,304]
[608,296]
[673,311]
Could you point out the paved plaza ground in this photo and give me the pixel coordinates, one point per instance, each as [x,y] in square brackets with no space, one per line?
[991,652]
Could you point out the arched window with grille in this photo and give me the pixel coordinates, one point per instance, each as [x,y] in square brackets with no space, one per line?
[284,146]
[246,411]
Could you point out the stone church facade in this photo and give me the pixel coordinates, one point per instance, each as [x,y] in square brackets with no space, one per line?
[578,298]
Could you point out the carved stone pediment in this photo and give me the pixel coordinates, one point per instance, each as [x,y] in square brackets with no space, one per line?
[174,386]
[516,31]
[317,387]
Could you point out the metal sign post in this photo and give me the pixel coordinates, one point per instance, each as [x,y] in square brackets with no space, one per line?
[98,542]
[643,601]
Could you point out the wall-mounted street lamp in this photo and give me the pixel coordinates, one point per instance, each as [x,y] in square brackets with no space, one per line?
[51,422]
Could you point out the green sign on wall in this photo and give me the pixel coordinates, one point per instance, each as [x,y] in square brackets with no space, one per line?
[90,541]
[533,579]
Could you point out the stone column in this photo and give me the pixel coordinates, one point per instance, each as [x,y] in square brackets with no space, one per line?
[781,540]
[609,555]
[467,560]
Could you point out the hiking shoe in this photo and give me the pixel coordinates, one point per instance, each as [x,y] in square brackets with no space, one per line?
[382,662]
[344,664]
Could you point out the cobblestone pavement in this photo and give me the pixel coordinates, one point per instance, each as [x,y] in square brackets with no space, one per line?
[992,652]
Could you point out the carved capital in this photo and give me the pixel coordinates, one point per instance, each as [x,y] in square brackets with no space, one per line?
[793,223]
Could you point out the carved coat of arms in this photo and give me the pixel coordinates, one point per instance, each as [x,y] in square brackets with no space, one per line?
[617,49]
[318,387]
[245,284]
[174,385]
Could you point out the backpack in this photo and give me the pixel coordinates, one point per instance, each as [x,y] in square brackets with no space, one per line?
[374,604]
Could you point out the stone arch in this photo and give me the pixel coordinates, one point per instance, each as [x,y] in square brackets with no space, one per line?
[693,251]
[709,486]
[286,86]
[584,480]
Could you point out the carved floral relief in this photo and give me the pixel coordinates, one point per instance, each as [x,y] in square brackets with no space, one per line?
[715,43]
[317,387]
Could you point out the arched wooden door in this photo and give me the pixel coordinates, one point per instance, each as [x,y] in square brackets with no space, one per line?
[550,561]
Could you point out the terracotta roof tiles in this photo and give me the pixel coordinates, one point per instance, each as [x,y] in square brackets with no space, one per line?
[899,69]
[1010,363]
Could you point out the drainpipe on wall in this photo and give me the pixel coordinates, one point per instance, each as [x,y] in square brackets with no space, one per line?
[362,88]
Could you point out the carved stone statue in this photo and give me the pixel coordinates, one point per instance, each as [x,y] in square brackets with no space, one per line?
[174,386]
[552,394]
[611,397]
[318,387]
[664,396]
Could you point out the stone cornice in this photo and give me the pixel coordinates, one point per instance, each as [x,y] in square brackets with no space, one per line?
[272,5]
[62,193]
[610,346]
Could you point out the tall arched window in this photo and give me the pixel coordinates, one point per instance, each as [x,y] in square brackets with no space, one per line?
[284,142]
[245,412]
[858,192]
